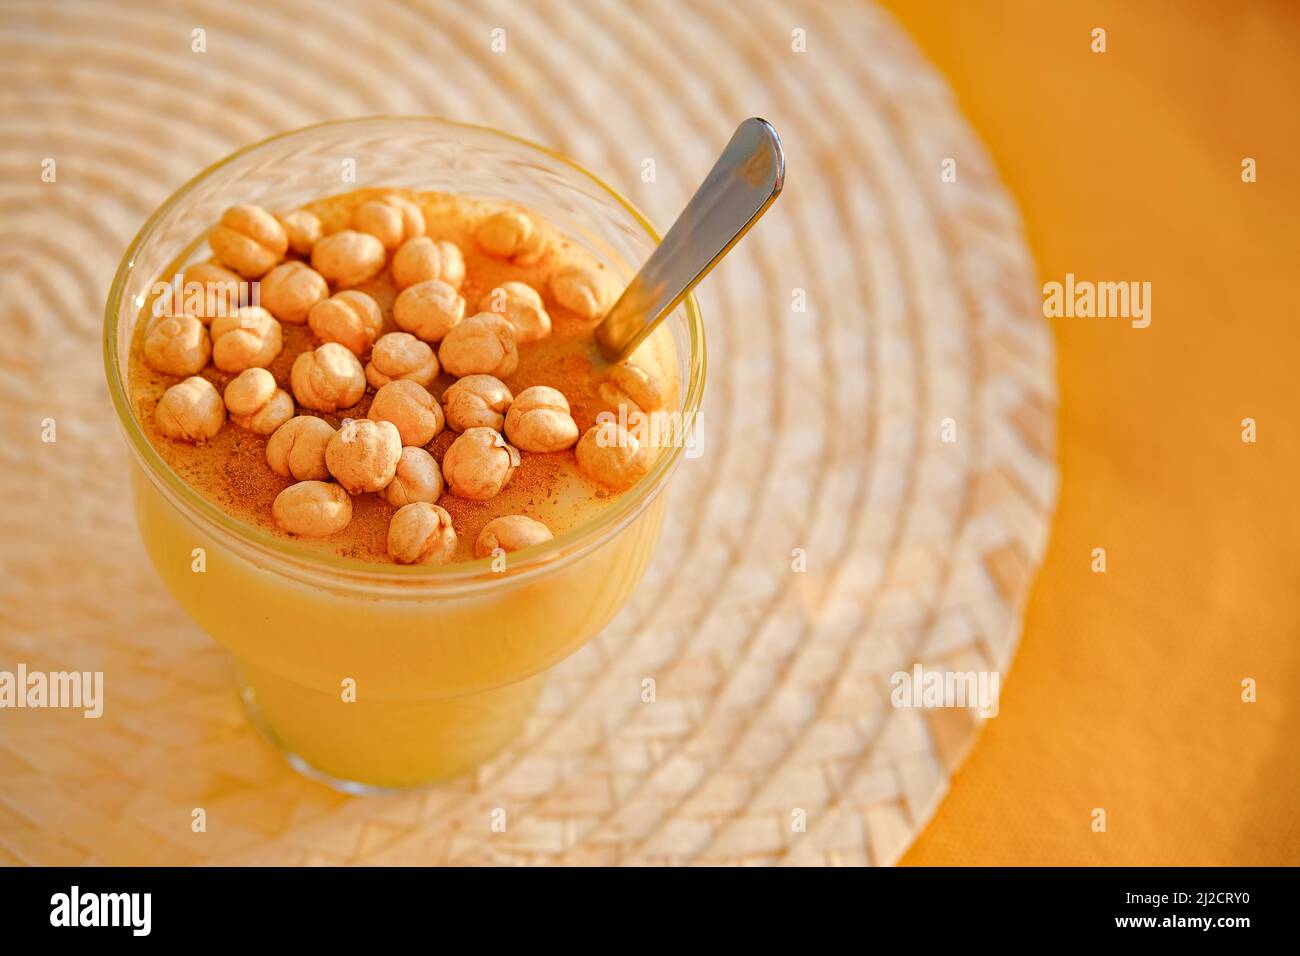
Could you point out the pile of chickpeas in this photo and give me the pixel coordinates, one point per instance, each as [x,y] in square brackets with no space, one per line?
[385,453]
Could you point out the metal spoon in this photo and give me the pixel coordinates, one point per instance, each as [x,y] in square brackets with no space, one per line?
[744,181]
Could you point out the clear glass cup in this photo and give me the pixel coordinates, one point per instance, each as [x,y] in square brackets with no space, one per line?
[445,662]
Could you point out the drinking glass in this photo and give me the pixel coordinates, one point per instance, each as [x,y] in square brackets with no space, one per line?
[369,675]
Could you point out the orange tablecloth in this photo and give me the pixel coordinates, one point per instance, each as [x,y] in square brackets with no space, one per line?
[1126,694]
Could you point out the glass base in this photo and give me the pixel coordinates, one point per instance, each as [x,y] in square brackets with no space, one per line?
[248,697]
[394,747]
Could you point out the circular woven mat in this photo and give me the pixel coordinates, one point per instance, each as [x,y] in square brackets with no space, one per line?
[872,304]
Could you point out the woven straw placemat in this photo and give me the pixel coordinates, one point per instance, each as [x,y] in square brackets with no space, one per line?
[825,432]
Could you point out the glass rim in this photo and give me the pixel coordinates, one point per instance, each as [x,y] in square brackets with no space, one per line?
[566,545]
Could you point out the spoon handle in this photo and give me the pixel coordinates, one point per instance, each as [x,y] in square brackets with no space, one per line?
[741,185]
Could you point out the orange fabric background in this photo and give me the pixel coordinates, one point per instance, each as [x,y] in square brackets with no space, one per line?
[1126,692]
